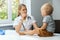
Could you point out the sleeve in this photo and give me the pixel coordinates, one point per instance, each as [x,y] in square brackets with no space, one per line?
[15,22]
[32,19]
[46,19]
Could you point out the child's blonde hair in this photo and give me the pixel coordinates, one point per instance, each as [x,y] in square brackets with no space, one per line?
[19,8]
[48,8]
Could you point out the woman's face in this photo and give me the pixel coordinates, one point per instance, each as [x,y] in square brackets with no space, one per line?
[23,11]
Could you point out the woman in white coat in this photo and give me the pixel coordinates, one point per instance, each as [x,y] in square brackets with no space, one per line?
[23,22]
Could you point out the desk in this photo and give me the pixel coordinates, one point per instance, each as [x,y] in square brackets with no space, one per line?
[12,35]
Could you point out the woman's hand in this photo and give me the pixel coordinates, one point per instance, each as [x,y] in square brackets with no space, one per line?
[29,32]
[22,33]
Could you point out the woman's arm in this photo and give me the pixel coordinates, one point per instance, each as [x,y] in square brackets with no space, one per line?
[35,25]
[36,30]
[18,27]
[31,32]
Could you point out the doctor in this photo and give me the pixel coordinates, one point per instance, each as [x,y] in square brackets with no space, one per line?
[23,22]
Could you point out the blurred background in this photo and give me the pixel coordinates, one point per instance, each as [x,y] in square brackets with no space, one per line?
[9,10]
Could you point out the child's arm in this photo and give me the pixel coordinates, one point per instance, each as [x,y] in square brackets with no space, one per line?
[44,26]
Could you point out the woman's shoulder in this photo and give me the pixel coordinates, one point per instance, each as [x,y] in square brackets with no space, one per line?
[31,16]
[17,18]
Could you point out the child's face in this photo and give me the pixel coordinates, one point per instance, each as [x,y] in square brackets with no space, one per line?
[23,11]
[43,12]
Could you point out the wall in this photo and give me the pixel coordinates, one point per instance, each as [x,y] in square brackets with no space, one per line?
[56,4]
[35,9]
[56,14]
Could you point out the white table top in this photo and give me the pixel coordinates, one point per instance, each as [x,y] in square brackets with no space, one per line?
[12,35]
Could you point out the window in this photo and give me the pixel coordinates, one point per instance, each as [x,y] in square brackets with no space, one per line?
[9,9]
[3,10]
[15,4]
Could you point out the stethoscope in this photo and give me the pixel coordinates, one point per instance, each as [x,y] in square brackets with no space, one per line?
[29,18]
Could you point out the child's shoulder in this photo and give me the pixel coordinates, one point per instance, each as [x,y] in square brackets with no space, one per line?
[48,16]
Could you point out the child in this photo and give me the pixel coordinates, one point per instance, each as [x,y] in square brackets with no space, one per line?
[48,27]
[23,22]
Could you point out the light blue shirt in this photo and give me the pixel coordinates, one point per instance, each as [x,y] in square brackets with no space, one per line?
[51,24]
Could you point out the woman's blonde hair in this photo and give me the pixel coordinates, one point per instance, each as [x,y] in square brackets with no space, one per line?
[19,8]
[48,8]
